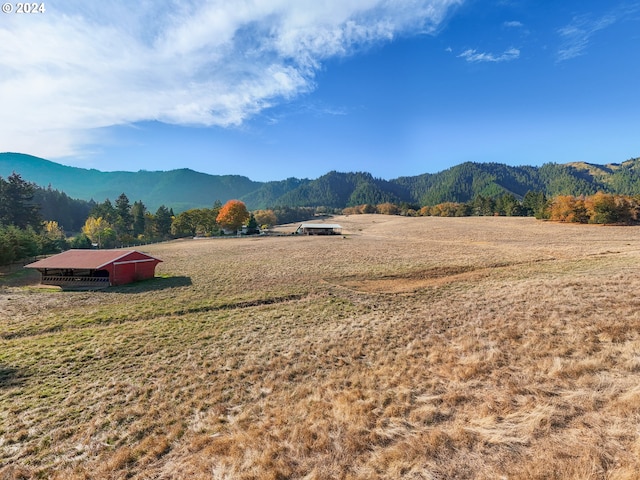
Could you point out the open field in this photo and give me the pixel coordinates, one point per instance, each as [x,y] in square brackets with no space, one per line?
[412,348]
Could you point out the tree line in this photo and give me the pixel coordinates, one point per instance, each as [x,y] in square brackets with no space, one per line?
[23,232]
[599,208]
[29,228]
[532,204]
[122,223]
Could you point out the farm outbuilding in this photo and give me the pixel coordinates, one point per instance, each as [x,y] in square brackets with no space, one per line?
[95,268]
[319,229]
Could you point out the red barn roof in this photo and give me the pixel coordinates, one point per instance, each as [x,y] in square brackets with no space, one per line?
[85,259]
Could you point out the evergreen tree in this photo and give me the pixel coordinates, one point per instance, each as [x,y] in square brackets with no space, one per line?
[124,218]
[16,203]
[80,241]
[535,203]
[507,204]
[139,219]
[217,205]
[52,238]
[104,210]
[252,225]
[163,222]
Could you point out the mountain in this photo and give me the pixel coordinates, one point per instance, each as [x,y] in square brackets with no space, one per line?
[184,188]
[337,190]
[181,189]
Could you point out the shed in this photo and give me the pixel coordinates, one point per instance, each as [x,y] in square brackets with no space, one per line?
[95,268]
[319,229]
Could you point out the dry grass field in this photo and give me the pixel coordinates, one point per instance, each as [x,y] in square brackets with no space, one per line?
[409,348]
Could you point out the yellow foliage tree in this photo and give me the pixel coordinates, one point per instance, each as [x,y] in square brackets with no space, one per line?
[265,217]
[99,231]
[53,230]
[351,211]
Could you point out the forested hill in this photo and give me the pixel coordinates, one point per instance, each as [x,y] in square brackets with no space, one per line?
[461,183]
[183,189]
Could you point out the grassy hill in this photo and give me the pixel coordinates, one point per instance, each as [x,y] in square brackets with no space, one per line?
[184,188]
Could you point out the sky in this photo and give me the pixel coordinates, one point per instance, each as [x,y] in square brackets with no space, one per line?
[272,89]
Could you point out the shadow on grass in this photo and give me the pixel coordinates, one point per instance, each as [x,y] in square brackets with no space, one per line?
[156,283]
[10,377]
[18,277]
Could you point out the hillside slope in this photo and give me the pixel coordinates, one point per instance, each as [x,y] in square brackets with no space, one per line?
[181,189]
[184,188]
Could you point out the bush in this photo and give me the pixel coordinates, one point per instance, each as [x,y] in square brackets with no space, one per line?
[17,244]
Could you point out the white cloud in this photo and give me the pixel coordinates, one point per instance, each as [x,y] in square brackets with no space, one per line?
[84,65]
[577,35]
[474,56]
[513,24]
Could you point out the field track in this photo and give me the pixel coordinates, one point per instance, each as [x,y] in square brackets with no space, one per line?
[406,348]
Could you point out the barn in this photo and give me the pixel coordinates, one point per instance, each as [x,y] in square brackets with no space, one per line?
[319,229]
[95,268]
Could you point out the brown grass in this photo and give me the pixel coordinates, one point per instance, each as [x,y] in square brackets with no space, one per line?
[415,348]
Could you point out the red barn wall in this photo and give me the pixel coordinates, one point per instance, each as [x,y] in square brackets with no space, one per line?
[131,268]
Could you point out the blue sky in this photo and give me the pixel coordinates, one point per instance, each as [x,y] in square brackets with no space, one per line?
[272,89]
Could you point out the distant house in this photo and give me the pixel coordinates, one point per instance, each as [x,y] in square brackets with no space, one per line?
[319,229]
[95,268]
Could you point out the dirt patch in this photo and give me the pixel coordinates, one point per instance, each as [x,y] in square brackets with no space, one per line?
[426,278]
[414,281]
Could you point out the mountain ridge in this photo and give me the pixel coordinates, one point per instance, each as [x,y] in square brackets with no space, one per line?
[184,188]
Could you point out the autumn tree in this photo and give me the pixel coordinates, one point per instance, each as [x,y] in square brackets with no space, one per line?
[368,208]
[567,208]
[53,238]
[265,217]
[387,209]
[351,211]
[233,215]
[99,232]
[424,211]
[445,209]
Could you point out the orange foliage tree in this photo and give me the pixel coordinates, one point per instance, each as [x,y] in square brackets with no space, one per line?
[567,208]
[387,209]
[232,215]
[598,208]
[445,209]
[607,208]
